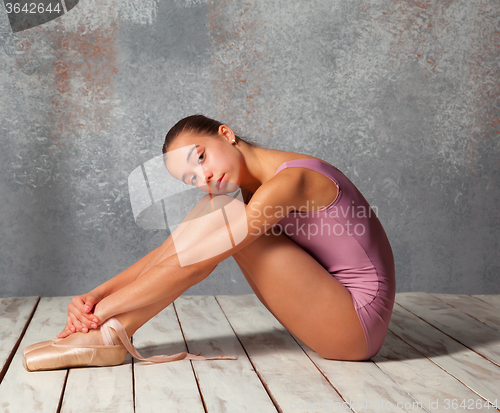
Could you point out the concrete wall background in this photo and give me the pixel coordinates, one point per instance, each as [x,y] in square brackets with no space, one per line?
[401,96]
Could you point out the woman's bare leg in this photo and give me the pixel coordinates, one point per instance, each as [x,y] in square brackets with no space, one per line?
[305,298]
[135,319]
[308,301]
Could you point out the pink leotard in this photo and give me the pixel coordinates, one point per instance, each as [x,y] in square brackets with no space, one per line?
[348,240]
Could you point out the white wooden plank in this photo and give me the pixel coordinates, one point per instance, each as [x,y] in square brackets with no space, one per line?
[290,377]
[480,310]
[226,385]
[14,315]
[463,328]
[363,385]
[22,391]
[427,383]
[99,389]
[165,387]
[493,299]
[477,373]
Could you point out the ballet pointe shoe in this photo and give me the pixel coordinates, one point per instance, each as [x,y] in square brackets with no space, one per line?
[38,345]
[54,356]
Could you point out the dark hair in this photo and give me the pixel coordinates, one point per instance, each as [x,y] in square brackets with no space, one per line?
[197,124]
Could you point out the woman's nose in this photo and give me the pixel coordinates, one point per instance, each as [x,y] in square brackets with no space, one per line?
[208,174]
[203,175]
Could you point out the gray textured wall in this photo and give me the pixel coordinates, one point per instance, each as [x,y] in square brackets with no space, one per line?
[402,96]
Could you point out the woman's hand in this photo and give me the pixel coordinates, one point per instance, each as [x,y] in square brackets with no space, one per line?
[80,316]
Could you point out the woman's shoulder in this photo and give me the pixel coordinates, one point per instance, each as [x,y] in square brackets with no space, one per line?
[317,187]
[293,156]
[281,157]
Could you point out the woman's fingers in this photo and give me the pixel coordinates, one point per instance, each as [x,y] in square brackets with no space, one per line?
[81,309]
[70,328]
[79,325]
[86,319]
[70,325]
[90,301]
[79,316]
[65,333]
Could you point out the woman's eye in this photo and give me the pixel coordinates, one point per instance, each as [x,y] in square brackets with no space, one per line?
[202,158]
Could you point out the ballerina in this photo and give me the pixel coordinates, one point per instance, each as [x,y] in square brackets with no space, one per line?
[307,241]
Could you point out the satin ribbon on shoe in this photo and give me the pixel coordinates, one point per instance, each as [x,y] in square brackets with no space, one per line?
[122,334]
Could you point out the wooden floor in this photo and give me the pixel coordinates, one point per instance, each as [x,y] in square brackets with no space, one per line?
[441,354]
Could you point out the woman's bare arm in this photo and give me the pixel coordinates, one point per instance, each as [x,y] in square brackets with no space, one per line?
[190,230]
[123,278]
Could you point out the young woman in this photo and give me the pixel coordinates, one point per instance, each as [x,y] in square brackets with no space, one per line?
[309,244]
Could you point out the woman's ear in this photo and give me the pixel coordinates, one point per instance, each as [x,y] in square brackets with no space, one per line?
[227,133]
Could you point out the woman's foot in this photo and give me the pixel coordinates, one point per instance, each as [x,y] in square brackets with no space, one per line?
[80,350]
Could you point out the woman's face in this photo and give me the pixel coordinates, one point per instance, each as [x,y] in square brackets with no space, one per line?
[202,160]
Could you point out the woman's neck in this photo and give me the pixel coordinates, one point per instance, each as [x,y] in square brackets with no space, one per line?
[258,166]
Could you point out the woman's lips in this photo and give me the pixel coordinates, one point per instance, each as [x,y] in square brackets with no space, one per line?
[219,182]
